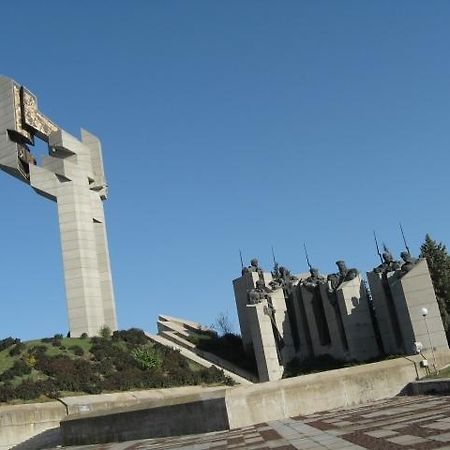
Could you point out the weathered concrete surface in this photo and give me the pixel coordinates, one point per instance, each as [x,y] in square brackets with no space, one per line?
[251,404]
[20,423]
[196,413]
[397,423]
[247,405]
[426,387]
[36,425]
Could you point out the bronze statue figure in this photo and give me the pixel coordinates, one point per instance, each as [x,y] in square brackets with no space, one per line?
[409,262]
[388,264]
[259,293]
[314,280]
[344,274]
[253,267]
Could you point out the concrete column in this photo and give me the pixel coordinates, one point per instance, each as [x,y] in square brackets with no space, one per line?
[264,344]
[283,325]
[412,292]
[386,313]
[354,307]
[79,251]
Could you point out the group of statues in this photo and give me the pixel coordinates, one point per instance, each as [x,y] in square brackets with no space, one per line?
[283,279]
[389,265]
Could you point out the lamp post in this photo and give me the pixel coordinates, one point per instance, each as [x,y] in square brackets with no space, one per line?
[425,314]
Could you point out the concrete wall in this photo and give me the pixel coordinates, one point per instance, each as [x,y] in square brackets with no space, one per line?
[37,423]
[323,391]
[172,411]
[246,405]
[35,426]
[197,413]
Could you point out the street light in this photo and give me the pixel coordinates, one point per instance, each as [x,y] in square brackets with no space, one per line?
[425,314]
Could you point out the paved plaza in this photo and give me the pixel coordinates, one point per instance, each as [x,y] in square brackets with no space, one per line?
[398,423]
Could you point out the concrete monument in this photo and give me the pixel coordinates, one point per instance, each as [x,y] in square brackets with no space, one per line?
[72,175]
[399,294]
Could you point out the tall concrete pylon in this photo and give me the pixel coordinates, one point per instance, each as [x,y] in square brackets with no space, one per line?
[72,175]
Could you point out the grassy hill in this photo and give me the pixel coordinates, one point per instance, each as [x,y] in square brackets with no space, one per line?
[127,359]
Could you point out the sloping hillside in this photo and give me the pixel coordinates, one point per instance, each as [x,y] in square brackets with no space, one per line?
[125,360]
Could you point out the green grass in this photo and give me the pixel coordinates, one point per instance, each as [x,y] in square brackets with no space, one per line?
[7,361]
[106,365]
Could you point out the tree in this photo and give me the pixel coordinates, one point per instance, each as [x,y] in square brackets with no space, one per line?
[439,264]
[223,324]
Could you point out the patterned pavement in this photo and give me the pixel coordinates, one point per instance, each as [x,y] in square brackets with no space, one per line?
[398,423]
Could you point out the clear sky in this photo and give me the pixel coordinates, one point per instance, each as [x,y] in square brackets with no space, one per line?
[228,125]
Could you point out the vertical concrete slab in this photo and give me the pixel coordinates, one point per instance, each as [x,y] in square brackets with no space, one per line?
[386,314]
[412,292]
[353,303]
[283,325]
[264,344]
[241,287]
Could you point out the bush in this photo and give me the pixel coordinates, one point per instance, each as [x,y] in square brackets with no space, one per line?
[147,358]
[297,367]
[133,337]
[17,349]
[105,332]
[76,350]
[229,347]
[8,342]
[6,392]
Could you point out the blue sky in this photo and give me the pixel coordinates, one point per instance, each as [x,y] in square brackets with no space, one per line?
[229,125]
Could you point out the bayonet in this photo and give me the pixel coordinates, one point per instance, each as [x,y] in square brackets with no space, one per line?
[404,239]
[307,256]
[378,248]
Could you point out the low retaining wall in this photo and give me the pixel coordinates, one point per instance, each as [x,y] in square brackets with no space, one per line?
[431,386]
[33,426]
[247,405]
[36,425]
[199,413]
[322,391]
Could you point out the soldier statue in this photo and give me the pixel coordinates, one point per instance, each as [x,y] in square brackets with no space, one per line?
[344,274]
[409,262]
[388,264]
[259,293]
[253,267]
[314,280]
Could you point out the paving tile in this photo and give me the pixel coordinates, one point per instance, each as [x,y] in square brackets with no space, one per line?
[441,437]
[438,426]
[381,433]
[407,439]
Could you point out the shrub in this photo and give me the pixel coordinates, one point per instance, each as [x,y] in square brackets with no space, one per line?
[56,342]
[147,358]
[8,342]
[105,332]
[84,336]
[297,367]
[17,349]
[29,390]
[133,337]
[58,337]
[76,350]
[6,392]
[29,359]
